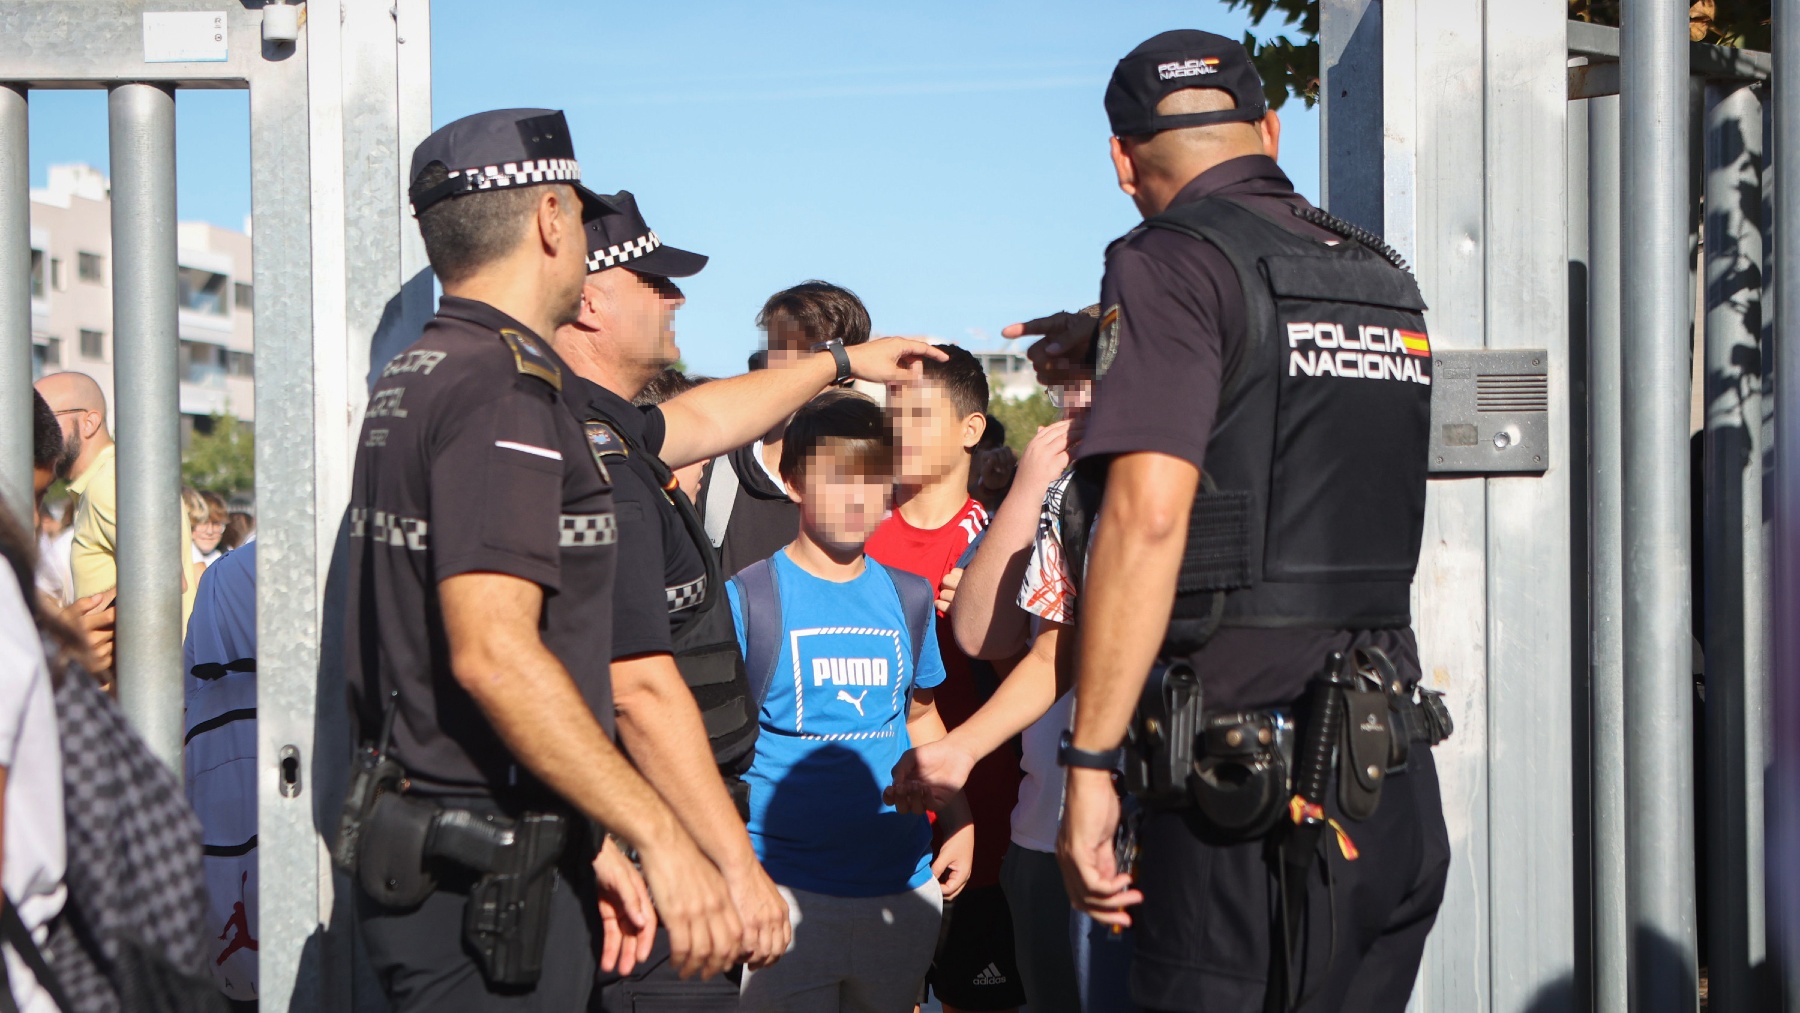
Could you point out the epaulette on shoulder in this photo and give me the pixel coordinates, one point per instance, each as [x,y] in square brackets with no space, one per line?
[1136,230]
[531,357]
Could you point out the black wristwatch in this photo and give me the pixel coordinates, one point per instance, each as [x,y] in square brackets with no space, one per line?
[836,347]
[1068,756]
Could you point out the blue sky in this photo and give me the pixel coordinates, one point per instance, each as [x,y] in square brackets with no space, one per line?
[947,161]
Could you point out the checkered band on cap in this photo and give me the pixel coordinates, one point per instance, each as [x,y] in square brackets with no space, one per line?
[613,256]
[525,173]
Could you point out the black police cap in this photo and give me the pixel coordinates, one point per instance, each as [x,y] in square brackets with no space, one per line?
[1175,60]
[619,237]
[500,148]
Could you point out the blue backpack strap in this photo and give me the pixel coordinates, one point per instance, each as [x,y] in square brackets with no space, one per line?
[917,599]
[759,597]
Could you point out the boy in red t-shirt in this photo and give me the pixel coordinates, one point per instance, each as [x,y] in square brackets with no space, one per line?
[938,422]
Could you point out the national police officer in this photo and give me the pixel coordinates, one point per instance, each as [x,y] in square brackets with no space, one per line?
[1247,337]
[670,621]
[478,629]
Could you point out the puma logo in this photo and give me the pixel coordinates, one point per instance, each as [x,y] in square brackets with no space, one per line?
[854,701]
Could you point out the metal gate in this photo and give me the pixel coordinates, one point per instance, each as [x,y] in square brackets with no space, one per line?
[1547,177]
[341,280]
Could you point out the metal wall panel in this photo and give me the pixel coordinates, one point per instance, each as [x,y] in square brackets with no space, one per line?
[291,969]
[1530,570]
[1350,68]
[1434,204]
[16,405]
[1736,564]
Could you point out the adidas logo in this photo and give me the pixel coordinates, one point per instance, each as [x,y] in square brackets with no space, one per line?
[990,975]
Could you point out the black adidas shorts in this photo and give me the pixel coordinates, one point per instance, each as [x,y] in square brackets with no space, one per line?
[975,967]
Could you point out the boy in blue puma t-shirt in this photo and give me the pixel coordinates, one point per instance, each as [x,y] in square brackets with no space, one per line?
[847,670]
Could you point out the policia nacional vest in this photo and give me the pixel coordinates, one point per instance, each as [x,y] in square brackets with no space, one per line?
[1312,500]
[705,641]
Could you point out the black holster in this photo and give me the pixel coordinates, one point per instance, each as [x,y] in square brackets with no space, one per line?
[405,844]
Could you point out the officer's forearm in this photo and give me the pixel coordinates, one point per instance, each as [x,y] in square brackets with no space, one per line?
[660,726]
[533,705]
[718,417]
[1130,588]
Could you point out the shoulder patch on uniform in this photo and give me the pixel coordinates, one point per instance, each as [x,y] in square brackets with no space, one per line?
[1109,340]
[604,439]
[531,358]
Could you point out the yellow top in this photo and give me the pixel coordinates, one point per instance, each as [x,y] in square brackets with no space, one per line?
[93,554]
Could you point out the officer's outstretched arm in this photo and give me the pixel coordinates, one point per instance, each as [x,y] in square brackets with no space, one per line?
[719,417]
[1132,566]
[491,621]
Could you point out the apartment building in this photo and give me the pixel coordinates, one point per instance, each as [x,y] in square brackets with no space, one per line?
[71,298]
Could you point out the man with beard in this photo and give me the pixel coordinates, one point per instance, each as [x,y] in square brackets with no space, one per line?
[88,465]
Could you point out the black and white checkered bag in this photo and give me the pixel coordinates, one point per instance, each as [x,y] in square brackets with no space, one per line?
[132,937]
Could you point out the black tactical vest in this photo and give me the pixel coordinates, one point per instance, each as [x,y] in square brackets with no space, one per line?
[1312,501]
[705,640]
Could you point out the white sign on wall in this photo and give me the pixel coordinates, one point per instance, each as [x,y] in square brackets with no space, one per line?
[184,37]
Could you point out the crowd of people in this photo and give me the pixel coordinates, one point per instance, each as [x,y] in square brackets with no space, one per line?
[753,693]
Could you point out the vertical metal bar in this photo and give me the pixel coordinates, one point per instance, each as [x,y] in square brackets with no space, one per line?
[290,185]
[1606,697]
[1531,574]
[1784,793]
[1736,676]
[1350,64]
[145,346]
[15,302]
[1654,402]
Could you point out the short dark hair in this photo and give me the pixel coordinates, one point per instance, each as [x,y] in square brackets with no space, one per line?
[839,418]
[962,377]
[46,435]
[821,310]
[465,234]
[665,385]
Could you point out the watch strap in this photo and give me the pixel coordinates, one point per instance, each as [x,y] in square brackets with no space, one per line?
[1068,756]
[838,355]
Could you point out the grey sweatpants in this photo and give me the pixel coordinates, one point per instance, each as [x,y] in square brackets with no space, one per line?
[862,954]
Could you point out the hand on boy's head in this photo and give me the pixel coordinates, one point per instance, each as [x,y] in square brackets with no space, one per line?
[892,360]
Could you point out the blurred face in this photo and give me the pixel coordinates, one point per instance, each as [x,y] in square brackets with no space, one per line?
[934,437]
[208,532]
[636,313]
[787,341]
[840,506]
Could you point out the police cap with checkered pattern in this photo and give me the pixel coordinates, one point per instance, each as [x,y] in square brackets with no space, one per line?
[1175,60]
[501,148]
[619,237]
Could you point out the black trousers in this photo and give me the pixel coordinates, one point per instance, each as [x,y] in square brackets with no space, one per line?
[654,986]
[1206,927]
[423,965]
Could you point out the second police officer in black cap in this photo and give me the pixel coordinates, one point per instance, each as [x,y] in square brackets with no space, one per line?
[678,680]
[479,625]
[1259,436]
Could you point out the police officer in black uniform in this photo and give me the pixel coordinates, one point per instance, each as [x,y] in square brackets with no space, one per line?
[1245,335]
[670,621]
[482,553]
